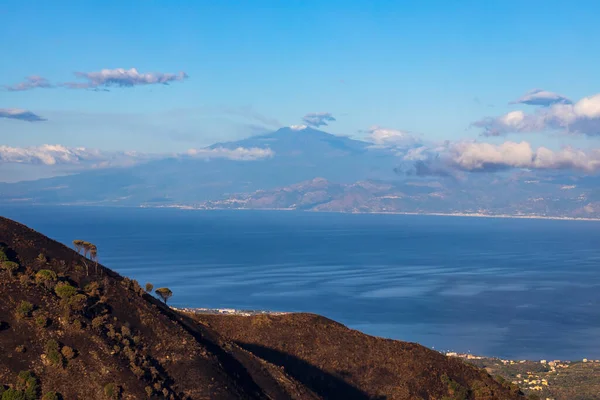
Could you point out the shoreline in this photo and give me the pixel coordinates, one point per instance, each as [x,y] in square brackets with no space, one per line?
[437,214]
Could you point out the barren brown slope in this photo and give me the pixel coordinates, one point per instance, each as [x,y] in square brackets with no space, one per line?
[116,340]
[337,362]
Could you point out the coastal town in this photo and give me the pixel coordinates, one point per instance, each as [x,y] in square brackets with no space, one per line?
[543,379]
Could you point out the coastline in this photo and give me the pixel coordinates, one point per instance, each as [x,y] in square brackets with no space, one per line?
[438,214]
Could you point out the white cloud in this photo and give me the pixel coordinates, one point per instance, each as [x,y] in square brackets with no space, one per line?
[19,114]
[385,137]
[54,155]
[31,82]
[318,119]
[582,117]
[122,78]
[47,154]
[476,156]
[240,153]
[539,97]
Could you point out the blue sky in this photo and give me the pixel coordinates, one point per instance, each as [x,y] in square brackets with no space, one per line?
[427,67]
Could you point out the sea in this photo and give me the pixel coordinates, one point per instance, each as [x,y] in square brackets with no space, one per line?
[499,287]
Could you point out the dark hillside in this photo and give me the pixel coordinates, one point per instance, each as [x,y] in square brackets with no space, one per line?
[119,335]
[331,359]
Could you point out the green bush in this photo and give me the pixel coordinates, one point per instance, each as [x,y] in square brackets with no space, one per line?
[28,384]
[41,321]
[149,287]
[46,277]
[50,396]
[24,309]
[112,391]
[9,266]
[13,394]
[65,290]
[52,351]
[3,256]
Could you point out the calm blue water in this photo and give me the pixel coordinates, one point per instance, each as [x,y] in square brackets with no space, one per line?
[500,287]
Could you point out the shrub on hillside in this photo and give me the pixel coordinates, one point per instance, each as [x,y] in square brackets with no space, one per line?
[52,351]
[24,309]
[13,394]
[9,266]
[41,321]
[149,287]
[50,396]
[92,289]
[65,290]
[28,384]
[112,391]
[46,277]
[68,352]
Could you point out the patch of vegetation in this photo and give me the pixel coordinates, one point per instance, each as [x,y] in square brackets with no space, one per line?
[68,352]
[455,390]
[27,384]
[112,391]
[53,354]
[50,396]
[46,277]
[149,287]
[24,309]
[65,291]
[9,266]
[42,321]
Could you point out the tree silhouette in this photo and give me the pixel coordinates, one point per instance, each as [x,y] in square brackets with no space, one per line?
[164,293]
[86,248]
[149,287]
[78,245]
[94,254]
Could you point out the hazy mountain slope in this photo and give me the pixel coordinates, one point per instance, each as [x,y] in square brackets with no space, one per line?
[298,155]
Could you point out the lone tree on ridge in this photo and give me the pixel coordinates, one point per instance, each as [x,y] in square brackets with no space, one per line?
[164,293]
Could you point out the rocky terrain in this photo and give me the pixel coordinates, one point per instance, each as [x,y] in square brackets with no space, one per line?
[73,329]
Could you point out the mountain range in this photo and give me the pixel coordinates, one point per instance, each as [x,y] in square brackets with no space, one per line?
[309,169]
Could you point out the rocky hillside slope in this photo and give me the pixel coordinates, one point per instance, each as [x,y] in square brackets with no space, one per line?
[337,362]
[72,329]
